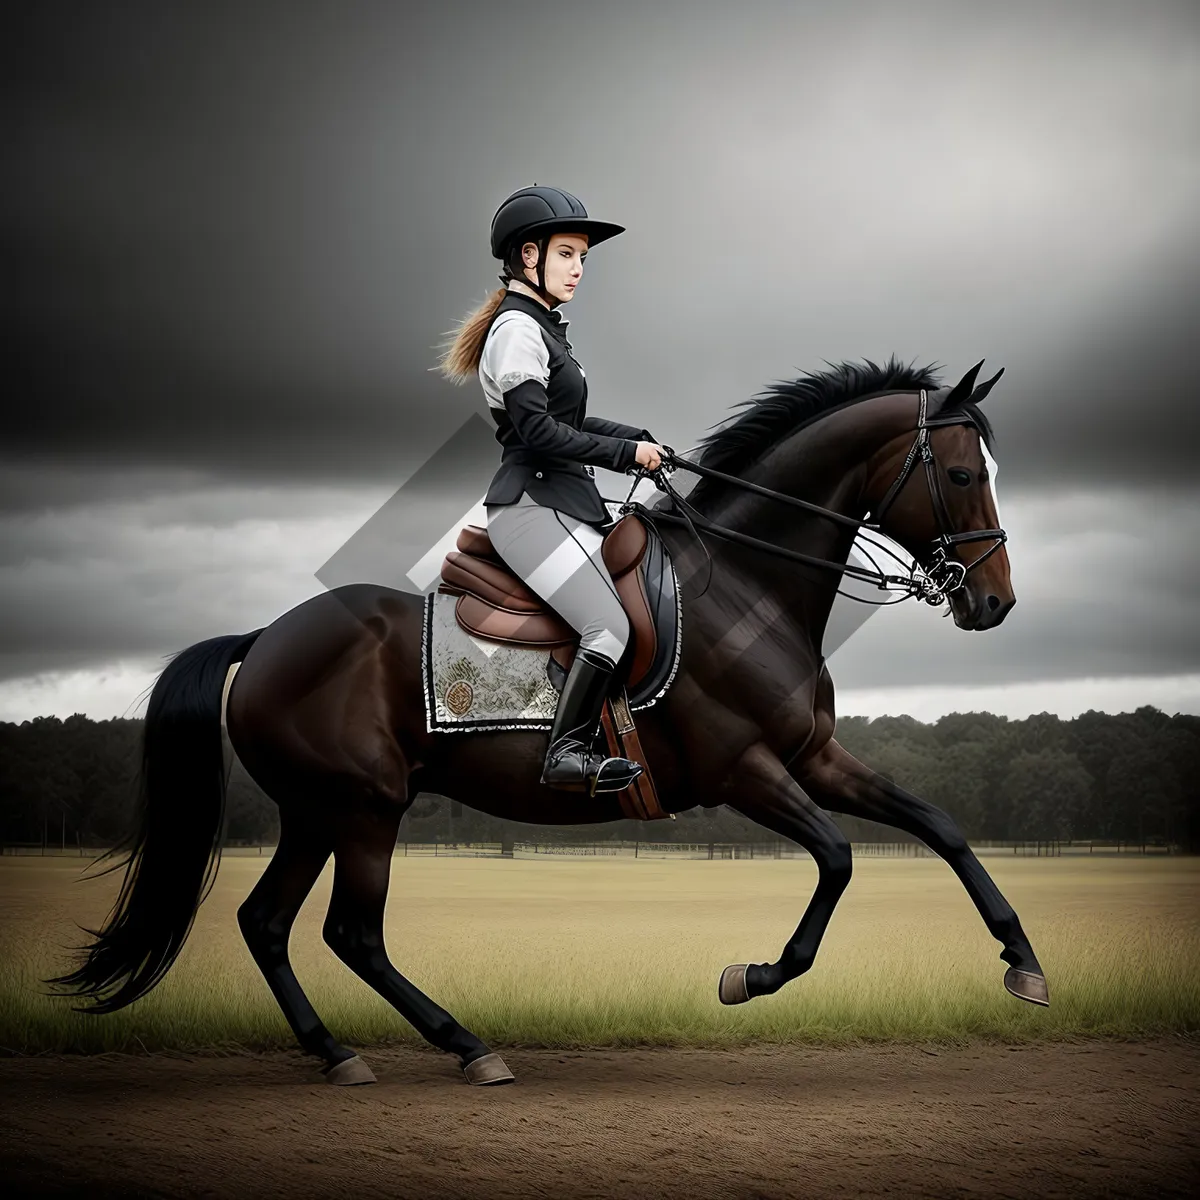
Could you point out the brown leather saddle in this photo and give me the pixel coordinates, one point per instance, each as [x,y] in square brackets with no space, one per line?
[495,605]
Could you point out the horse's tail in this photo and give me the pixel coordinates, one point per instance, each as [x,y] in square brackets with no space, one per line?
[175,848]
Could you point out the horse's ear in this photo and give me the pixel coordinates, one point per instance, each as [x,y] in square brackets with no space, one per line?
[982,390]
[962,389]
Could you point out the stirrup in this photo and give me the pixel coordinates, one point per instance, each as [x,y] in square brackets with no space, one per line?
[619,777]
[586,770]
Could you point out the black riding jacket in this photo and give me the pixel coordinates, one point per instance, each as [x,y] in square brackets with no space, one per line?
[537,395]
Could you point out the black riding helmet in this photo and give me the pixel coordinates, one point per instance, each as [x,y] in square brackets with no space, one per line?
[534,214]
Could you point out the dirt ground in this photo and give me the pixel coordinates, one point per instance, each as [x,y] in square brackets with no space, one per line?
[1084,1119]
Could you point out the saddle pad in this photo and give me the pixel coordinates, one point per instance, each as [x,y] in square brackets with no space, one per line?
[472,684]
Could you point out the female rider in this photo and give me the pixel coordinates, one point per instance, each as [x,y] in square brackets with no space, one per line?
[544,513]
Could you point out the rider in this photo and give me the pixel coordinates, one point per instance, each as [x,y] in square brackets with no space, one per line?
[545,516]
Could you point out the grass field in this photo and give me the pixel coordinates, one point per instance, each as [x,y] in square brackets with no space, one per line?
[611,952]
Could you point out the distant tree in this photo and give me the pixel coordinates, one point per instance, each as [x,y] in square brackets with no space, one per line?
[1043,731]
[1143,786]
[958,781]
[1050,789]
[1124,775]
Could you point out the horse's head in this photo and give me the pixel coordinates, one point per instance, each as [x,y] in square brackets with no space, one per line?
[943,511]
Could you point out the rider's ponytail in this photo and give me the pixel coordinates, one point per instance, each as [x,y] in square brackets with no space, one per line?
[460,360]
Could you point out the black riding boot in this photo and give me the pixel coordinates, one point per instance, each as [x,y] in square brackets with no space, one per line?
[570,763]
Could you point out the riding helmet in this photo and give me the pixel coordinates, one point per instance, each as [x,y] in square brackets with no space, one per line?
[533,214]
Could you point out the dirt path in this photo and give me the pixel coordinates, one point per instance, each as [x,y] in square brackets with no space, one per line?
[1091,1119]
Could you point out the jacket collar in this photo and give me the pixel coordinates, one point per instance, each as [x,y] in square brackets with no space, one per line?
[553,315]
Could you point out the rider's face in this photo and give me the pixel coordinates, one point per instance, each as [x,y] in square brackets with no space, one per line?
[564,263]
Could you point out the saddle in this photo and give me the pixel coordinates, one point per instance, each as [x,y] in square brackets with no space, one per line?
[495,605]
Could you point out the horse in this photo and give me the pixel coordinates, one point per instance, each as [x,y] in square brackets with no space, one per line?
[327,714]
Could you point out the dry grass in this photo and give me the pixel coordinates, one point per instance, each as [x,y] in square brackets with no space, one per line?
[618,952]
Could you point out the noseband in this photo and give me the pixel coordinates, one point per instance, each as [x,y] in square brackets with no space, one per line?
[933,584]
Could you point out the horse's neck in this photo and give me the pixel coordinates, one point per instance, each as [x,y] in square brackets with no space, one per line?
[829,463]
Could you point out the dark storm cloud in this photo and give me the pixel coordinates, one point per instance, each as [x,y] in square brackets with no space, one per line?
[217,253]
[1119,404]
[1105,583]
[242,231]
[127,578]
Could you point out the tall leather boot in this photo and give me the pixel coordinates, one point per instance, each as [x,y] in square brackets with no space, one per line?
[570,763]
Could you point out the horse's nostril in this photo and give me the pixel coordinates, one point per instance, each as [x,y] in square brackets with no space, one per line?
[993,602]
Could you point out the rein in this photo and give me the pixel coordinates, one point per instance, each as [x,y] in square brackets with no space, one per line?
[932,584]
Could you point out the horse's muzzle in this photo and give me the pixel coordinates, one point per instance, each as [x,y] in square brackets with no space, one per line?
[977,607]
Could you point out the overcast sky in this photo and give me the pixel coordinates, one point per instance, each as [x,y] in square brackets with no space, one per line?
[240,232]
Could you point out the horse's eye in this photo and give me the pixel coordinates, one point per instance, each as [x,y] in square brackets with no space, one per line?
[959,476]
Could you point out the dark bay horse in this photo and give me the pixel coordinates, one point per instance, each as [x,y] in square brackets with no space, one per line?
[327,711]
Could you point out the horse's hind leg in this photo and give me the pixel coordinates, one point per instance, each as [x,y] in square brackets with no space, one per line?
[353,929]
[838,781]
[266,918]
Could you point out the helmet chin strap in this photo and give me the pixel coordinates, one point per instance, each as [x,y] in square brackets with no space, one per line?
[542,244]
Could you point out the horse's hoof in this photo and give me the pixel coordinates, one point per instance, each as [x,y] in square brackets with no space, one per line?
[489,1068]
[732,988]
[1025,985]
[353,1070]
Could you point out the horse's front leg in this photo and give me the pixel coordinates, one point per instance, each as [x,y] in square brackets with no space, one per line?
[839,782]
[768,795]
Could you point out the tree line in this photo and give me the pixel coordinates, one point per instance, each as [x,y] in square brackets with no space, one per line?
[1127,776]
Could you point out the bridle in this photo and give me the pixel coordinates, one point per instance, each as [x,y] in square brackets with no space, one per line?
[949,573]
[933,584]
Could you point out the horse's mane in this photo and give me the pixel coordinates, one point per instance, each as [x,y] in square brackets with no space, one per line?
[786,406]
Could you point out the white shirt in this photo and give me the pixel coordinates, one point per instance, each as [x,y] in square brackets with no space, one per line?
[514,351]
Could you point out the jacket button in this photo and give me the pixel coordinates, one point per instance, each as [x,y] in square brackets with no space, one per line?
[538,474]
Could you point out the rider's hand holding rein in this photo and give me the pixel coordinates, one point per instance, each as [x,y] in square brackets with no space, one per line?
[649,455]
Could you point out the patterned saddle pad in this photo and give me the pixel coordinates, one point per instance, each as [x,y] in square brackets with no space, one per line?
[474,684]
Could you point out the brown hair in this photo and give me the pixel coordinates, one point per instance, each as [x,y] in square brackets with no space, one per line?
[460,357]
